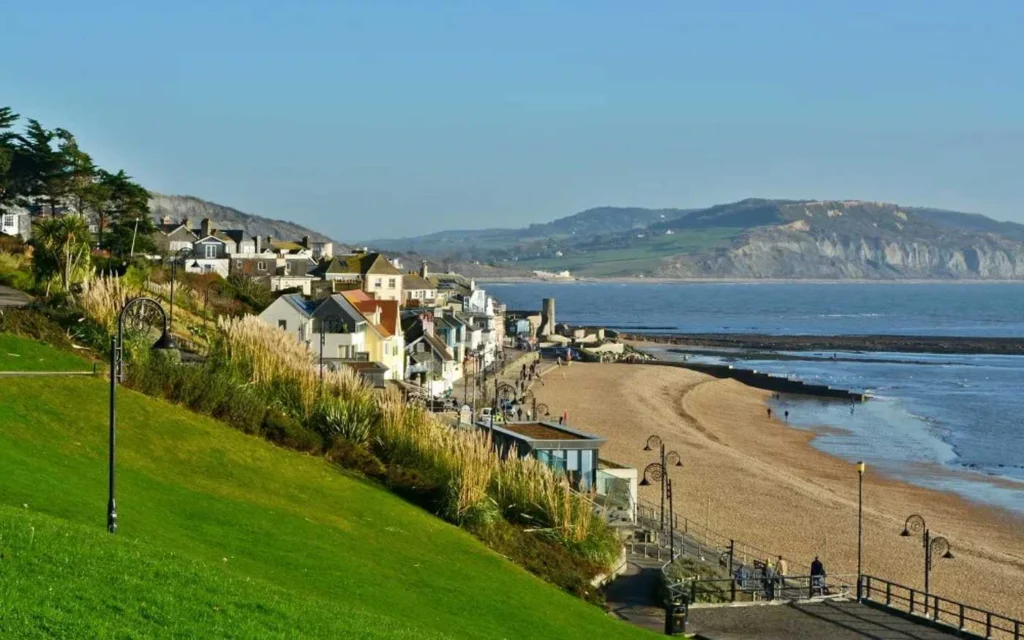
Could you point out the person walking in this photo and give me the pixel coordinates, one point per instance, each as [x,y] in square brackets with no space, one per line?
[817,577]
[782,568]
[787,415]
[769,413]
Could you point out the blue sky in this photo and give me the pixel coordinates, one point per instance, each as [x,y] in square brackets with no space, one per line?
[383,118]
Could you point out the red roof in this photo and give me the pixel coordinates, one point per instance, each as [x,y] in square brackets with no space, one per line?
[368,307]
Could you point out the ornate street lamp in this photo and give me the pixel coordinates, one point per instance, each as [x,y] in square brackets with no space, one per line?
[166,342]
[656,472]
[672,458]
[937,546]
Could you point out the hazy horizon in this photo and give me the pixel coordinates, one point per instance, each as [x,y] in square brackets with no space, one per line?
[400,119]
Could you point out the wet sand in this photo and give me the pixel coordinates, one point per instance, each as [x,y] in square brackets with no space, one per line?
[761,482]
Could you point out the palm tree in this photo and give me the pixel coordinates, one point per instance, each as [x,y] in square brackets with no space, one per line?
[61,250]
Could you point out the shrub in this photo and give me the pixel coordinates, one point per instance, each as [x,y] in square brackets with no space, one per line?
[415,486]
[353,417]
[289,432]
[543,556]
[29,323]
[356,457]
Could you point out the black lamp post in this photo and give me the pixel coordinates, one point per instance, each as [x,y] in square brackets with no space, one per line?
[182,254]
[671,525]
[656,472]
[932,546]
[165,342]
[860,527]
[666,459]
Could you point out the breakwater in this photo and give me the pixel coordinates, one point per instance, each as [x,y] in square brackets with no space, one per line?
[766,381]
[854,343]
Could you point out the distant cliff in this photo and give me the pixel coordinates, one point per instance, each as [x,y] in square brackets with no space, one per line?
[753,239]
[852,239]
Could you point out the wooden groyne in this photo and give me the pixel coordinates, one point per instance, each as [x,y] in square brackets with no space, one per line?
[766,381]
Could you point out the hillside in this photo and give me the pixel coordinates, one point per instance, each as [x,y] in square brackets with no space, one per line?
[178,207]
[224,535]
[759,239]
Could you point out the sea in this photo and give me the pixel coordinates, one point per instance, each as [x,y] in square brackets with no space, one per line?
[949,422]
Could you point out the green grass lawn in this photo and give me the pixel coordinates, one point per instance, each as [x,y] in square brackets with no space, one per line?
[225,535]
[643,255]
[24,354]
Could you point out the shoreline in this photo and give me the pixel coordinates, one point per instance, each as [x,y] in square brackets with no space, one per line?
[763,482]
[875,343]
[641,280]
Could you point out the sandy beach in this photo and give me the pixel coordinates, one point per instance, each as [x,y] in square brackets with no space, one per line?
[760,481]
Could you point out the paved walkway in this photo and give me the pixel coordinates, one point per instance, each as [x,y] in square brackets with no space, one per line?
[841,620]
[632,596]
[13,298]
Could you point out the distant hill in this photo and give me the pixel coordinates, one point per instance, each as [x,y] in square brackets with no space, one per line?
[178,207]
[750,239]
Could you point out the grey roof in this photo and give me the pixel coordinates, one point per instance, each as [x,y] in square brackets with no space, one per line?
[300,303]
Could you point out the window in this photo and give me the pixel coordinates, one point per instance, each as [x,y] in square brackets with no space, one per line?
[262,266]
[377,283]
[282,324]
[210,250]
[391,283]
[9,220]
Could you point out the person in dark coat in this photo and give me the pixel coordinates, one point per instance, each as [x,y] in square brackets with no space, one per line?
[818,576]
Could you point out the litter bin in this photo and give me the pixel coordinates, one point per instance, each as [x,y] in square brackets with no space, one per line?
[675,618]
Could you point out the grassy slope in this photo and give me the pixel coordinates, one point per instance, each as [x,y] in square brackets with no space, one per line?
[223,533]
[643,254]
[22,354]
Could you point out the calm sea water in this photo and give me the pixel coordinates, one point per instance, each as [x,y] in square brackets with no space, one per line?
[949,422]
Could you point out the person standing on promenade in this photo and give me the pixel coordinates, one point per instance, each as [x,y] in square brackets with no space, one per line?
[782,568]
[818,576]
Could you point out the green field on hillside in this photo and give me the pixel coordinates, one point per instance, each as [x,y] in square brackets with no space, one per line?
[224,535]
[22,354]
[643,255]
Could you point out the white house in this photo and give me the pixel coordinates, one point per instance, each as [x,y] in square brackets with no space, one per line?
[293,314]
[16,224]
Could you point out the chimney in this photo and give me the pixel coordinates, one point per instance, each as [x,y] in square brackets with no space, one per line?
[305,241]
[270,242]
[256,243]
[424,270]
[166,220]
[205,227]
[187,223]
[427,320]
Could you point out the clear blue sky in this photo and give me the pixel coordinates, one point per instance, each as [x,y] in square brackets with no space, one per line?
[397,118]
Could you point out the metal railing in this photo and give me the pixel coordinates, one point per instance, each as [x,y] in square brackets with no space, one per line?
[709,545]
[757,587]
[941,610]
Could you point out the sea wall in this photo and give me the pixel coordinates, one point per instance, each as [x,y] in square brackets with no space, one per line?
[766,381]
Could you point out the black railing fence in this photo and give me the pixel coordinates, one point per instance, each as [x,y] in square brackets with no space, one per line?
[943,610]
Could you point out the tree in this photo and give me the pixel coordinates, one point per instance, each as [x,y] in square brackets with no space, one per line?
[12,184]
[44,166]
[61,250]
[127,207]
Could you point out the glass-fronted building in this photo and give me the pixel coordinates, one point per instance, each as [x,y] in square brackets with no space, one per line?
[573,452]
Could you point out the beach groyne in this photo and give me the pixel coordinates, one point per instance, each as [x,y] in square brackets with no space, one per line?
[766,381]
[834,343]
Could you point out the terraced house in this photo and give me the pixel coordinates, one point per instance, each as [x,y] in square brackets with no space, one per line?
[371,273]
